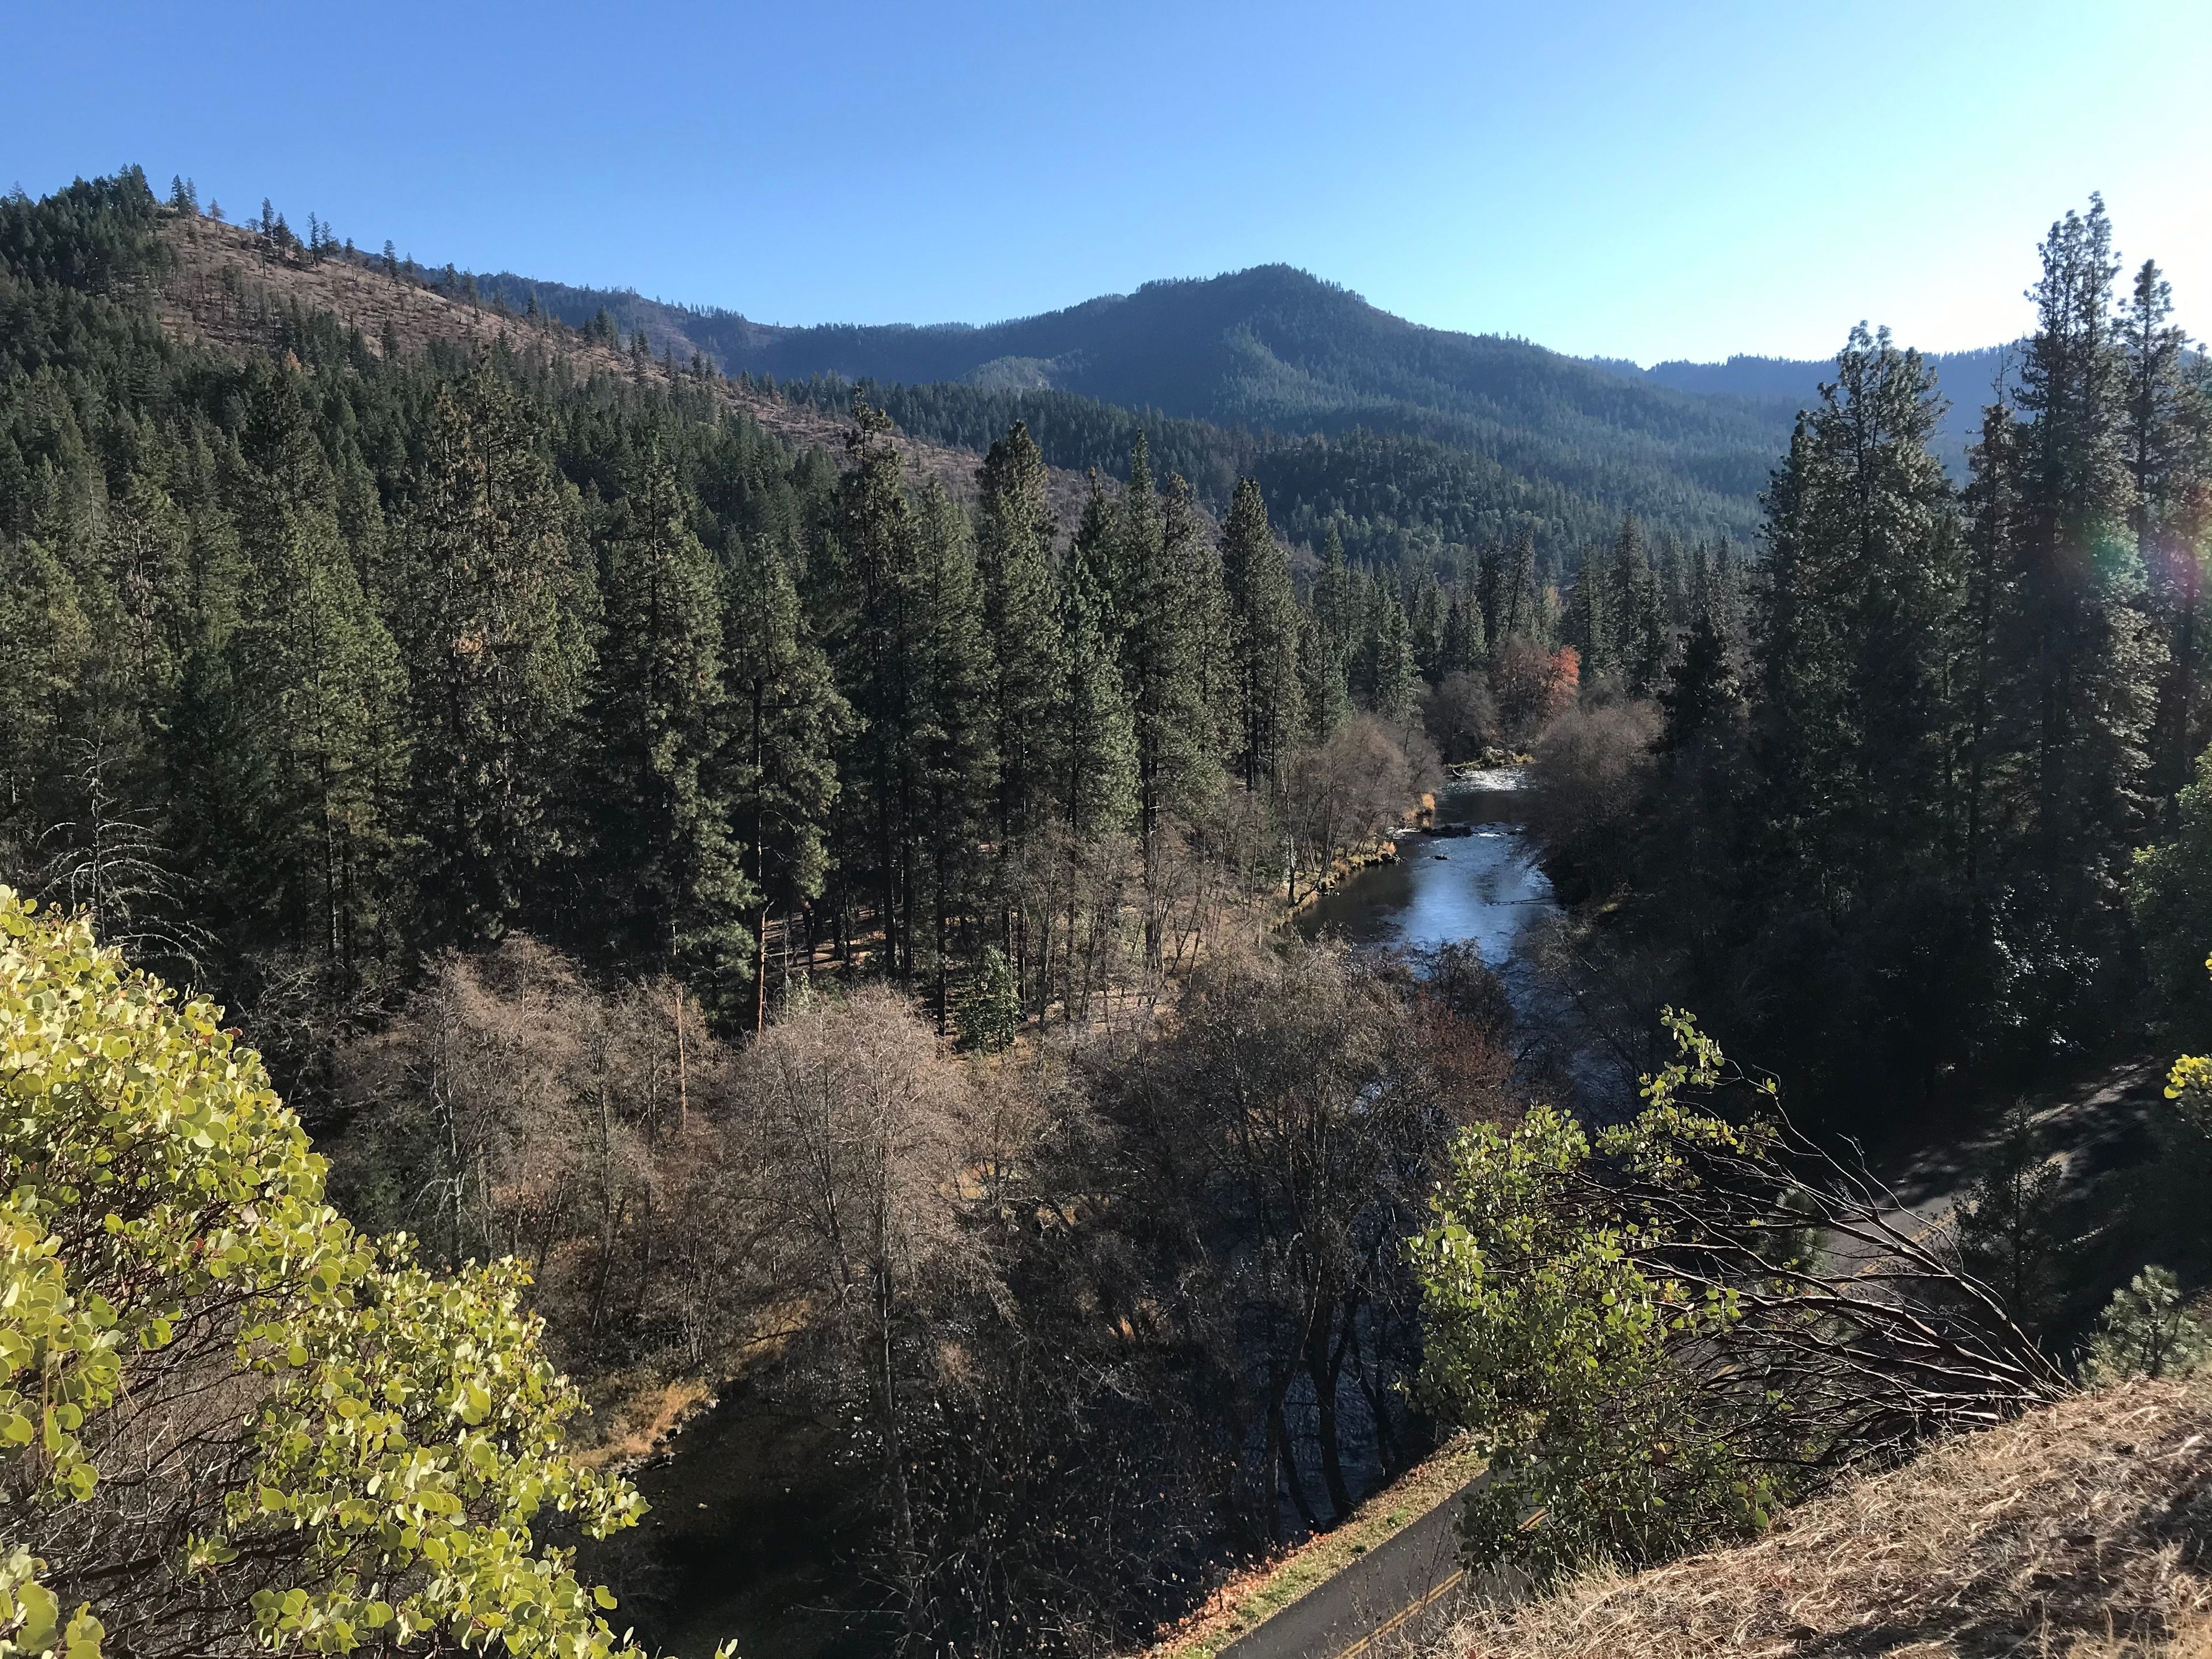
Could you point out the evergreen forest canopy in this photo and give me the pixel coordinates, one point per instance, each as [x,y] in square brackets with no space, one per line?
[641,845]
[334,656]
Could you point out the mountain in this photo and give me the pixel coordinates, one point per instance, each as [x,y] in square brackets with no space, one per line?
[1778,387]
[1273,350]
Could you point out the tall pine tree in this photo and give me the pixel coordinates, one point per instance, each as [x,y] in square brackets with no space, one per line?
[1265,716]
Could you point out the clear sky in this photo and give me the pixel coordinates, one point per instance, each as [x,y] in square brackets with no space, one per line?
[1667,179]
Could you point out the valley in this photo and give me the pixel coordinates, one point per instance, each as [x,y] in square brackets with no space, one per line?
[790,1025]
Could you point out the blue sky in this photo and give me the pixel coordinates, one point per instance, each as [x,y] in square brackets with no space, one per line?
[1647,180]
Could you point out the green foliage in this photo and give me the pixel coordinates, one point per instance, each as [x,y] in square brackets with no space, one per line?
[166,1234]
[991,1012]
[2170,896]
[1013,556]
[1552,1337]
[2008,1234]
[490,594]
[2147,1330]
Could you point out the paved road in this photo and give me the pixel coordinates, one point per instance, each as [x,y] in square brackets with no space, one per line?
[1402,1590]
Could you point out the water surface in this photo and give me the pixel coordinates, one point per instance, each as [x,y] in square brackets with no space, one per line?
[1484,889]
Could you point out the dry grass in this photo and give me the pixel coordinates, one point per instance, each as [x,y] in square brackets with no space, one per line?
[638,1420]
[2076,1533]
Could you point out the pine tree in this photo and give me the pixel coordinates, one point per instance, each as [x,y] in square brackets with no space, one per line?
[1702,693]
[1992,504]
[1325,643]
[1862,591]
[1263,639]
[496,611]
[1424,615]
[1094,738]
[2090,655]
[1518,612]
[1021,616]
[1464,646]
[1635,613]
[955,764]
[318,688]
[1590,620]
[778,773]
[665,866]
[878,543]
[1161,588]
[1392,677]
[2165,455]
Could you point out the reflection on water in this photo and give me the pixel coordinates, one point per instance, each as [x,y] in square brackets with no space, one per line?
[1483,888]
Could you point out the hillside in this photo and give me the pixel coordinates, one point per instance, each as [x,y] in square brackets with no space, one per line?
[1774,388]
[1390,493]
[1274,350]
[2079,1530]
[229,288]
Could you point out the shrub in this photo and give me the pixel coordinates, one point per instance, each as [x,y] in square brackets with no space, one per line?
[1635,1326]
[2146,1331]
[228,1422]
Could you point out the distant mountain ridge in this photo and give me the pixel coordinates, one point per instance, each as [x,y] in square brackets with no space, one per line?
[1275,349]
[1782,385]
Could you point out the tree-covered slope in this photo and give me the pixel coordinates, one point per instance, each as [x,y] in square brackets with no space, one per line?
[1774,389]
[1272,349]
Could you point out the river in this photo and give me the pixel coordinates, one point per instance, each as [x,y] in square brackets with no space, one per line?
[1482,887]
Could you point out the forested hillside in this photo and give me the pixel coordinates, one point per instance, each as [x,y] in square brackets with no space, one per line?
[1778,387]
[1267,350]
[341,650]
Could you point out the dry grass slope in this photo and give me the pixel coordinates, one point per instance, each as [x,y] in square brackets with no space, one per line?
[2079,1532]
[230,288]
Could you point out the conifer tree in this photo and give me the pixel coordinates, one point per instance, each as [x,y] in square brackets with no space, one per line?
[497,611]
[1518,604]
[1992,501]
[1392,678]
[1862,588]
[1263,639]
[2163,437]
[1094,738]
[2090,657]
[1702,692]
[955,764]
[1636,612]
[665,870]
[1161,588]
[318,686]
[879,544]
[1590,623]
[1325,642]
[778,772]
[1424,616]
[1322,691]
[1021,616]
[1464,646]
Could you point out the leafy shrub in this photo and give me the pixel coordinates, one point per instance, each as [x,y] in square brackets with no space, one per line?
[229,1423]
[1636,1327]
